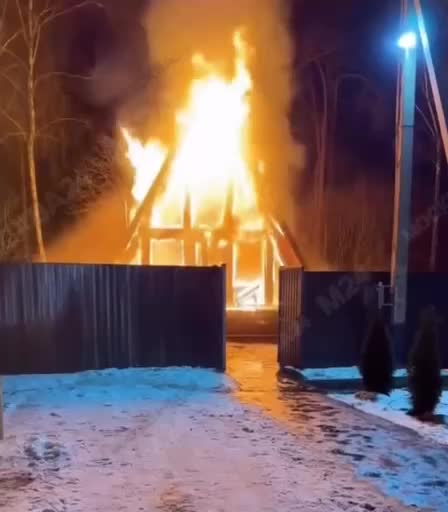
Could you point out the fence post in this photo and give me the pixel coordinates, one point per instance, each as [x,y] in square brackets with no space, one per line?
[380,288]
[225,283]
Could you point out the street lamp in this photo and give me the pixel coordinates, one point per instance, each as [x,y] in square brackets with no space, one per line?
[403,172]
[408,41]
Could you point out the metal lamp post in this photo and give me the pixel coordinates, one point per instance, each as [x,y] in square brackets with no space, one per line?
[403,170]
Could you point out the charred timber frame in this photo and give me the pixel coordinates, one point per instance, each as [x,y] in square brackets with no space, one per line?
[209,246]
[141,235]
[144,212]
[229,225]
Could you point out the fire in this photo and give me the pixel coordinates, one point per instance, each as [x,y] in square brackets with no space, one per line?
[211,161]
[212,153]
[147,161]
[210,175]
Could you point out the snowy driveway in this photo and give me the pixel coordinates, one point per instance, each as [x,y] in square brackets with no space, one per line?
[175,441]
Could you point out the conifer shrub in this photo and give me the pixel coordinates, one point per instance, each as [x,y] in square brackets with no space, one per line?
[424,369]
[377,366]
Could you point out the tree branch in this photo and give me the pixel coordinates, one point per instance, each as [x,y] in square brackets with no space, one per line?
[46,11]
[11,82]
[46,76]
[432,112]
[48,15]
[54,15]
[13,121]
[20,61]
[22,20]
[36,44]
[62,120]
[426,121]
[4,46]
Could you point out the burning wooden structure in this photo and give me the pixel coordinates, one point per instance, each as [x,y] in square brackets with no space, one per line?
[200,204]
[252,258]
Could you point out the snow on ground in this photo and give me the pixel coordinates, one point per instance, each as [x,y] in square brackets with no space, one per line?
[161,440]
[395,407]
[162,378]
[392,408]
[343,373]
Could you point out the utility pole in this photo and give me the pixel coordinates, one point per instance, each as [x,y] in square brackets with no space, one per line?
[404,167]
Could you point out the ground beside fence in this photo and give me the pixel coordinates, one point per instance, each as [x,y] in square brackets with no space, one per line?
[195,440]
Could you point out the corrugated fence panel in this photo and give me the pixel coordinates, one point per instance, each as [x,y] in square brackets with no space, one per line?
[64,318]
[426,289]
[194,308]
[154,315]
[289,316]
[335,309]
[337,306]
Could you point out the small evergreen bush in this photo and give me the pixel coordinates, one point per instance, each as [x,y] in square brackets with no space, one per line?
[377,366]
[425,380]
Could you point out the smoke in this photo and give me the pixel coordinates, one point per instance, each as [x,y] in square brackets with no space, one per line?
[177,29]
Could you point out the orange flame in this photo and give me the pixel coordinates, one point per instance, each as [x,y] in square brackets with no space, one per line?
[211,160]
[147,161]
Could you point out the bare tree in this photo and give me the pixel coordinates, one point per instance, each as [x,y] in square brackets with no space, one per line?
[322,132]
[19,53]
[324,106]
[429,117]
[357,228]
[75,196]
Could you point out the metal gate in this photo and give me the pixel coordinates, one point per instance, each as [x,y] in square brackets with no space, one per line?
[290,305]
[61,318]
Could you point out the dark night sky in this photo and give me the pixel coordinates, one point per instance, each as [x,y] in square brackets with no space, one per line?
[359,38]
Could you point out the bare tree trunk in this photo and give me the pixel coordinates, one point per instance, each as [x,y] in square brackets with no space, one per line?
[26,244]
[436,212]
[322,166]
[31,140]
[31,135]
[333,104]
[318,143]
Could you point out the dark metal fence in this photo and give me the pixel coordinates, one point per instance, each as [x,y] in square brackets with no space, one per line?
[57,318]
[324,321]
[289,317]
